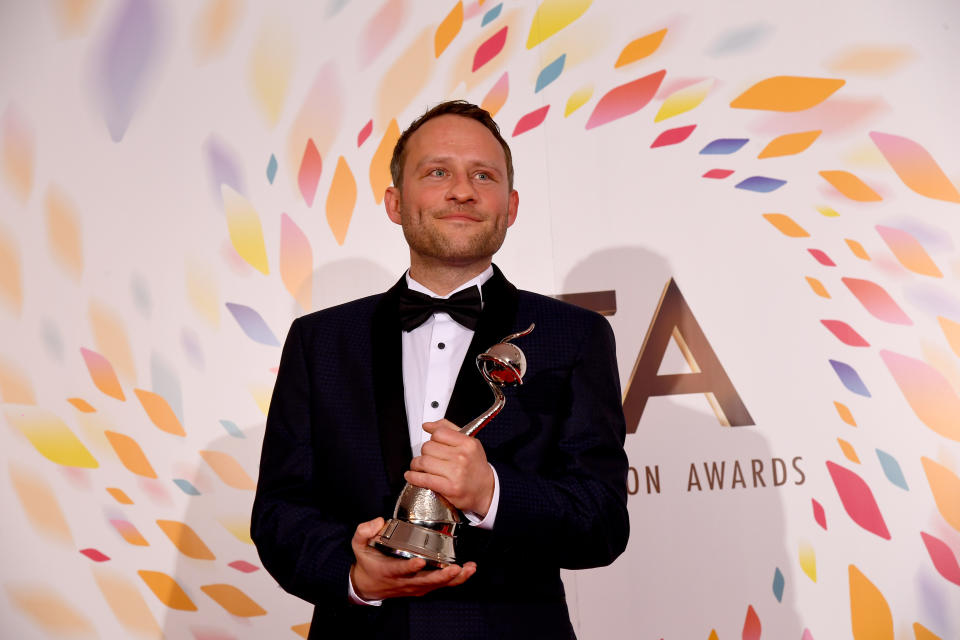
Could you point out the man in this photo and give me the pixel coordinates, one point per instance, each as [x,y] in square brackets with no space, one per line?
[543,486]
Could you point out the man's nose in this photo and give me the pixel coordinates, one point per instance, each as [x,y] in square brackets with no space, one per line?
[462,189]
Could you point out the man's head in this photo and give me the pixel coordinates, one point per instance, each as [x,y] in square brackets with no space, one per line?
[460,108]
[453,190]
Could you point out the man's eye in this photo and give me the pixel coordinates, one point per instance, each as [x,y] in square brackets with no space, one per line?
[483,176]
[437,173]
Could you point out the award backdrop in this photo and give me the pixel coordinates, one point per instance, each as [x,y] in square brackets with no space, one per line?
[761,196]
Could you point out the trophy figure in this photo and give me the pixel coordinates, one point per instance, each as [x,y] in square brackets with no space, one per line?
[424,523]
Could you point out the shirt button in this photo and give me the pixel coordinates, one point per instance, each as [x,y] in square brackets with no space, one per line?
[434,404]
[441,346]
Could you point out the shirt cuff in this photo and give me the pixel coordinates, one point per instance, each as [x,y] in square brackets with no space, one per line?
[487,522]
[355,599]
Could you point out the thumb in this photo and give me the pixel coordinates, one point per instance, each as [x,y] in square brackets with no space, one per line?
[366,530]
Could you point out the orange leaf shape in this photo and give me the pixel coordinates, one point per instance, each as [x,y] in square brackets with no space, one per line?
[119,495]
[11,276]
[945,486]
[167,590]
[228,469]
[915,167]
[870,614]
[214,26]
[497,96]
[448,29]
[302,630]
[928,392]
[922,633]
[951,330]
[340,200]
[851,186]
[63,232]
[130,454]
[848,451]
[17,152]
[786,225]
[640,48]
[857,249]
[186,540]
[233,600]
[127,604]
[102,374]
[845,414]
[787,93]
[81,405]
[15,387]
[160,412]
[789,144]
[818,287]
[380,177]
[40,504]
[296,261]
[49,611]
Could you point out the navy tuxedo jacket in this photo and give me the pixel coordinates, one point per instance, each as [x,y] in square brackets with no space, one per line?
[337,445]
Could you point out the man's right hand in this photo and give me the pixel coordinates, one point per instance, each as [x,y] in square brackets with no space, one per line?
[376,576]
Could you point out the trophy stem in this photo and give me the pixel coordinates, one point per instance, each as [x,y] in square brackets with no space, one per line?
[472,427]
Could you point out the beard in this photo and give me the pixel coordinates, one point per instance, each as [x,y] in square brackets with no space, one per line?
[427,238]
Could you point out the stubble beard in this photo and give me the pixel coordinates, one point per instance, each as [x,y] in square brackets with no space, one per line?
[428,241]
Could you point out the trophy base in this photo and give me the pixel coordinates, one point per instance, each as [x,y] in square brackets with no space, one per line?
[405,540]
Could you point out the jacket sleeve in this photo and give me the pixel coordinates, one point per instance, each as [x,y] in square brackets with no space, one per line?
[574,510]
[307,553]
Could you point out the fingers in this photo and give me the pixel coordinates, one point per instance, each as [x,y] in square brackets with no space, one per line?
[366,530]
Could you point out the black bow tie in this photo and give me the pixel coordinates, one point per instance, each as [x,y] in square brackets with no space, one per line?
[416,308]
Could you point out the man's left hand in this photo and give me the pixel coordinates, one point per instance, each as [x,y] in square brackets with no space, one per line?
[455,466]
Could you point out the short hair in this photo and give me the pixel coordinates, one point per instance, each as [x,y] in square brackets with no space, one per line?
[460,108]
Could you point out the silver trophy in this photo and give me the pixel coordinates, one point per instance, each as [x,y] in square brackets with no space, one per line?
[424,523]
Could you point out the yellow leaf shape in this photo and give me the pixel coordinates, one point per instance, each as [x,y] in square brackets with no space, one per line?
[238,527]
[340,200]
[119,495]
[63,232]
[17,153]
[808,561]
[951,331]
[380,177]
[11,275]
[49,611]
[869,60]
[303,630]
[577,99]
[827,212]
[228,469]
[845,414]
[684,100]
[818,287]
[787,93]
[159,411]
[261,395]
[945,486]
[640,48]
[167,590]
[870,614]
[406,77]
[552,16]
[50,436]
[130,454]
[857,249]
[246,234]
[186,540]
[448,29]
[786,225]
[15,387]
[789,144]
[271,66]
[81,405]
[128,606]
[111,339]
[214,27]
[202,291]
[233,600]
[848,451]
[922,633]
[40,504]
[851,186]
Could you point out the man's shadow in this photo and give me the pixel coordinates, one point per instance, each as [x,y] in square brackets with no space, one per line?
[696,558]
[220,514]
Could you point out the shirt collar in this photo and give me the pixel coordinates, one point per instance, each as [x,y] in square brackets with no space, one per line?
[413,285]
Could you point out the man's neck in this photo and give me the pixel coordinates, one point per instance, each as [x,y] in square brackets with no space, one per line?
[442,279]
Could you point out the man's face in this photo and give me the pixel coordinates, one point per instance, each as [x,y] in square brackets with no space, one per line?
[455,204]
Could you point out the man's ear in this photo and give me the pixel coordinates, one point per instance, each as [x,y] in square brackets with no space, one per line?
[512,205]
[391,201]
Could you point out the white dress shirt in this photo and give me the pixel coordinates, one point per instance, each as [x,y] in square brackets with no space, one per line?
[432,356]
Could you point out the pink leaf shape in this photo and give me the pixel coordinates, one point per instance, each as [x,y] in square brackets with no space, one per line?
[626,99]
[94,555]
[858,500]
[818,514]
[943,558]
[309,176]
[877,301]
[364,133]
[845,333]
[673,136]
[490,48]
[915,167]
[244,566]
[718,174]
[928,392]
[531,120]
[822,258]
[751,625]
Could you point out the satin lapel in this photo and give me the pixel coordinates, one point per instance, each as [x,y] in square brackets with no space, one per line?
[471,395]
[388,388]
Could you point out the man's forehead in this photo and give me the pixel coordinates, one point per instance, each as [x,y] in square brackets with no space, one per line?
[441,137]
